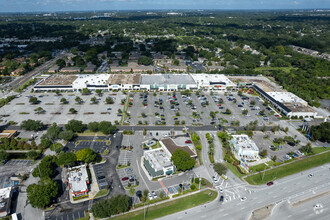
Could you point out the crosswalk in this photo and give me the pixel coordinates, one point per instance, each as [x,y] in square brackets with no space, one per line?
[231,191]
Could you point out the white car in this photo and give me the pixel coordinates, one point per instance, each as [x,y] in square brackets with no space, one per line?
[310,175]
[220,189]
[214,179]
[150,197]
[243,199]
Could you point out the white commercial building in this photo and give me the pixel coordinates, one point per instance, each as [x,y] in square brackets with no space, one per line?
[245,148]
[78,181]
[158,163]
[167,82]
[5,201]
[91,81]
[213,81]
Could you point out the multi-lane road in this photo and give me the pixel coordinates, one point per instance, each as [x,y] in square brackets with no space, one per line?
[284,194]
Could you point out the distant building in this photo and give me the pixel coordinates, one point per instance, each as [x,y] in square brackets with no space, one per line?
[8,133]
[5,201]
[158,163]
[70,70]
[245,148]
[213,81]
[78,181]
[90,68]
[54,69]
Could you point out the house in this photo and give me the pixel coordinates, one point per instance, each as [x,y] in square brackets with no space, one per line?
[89,68]
[78,181]
[8,133]
[5,201]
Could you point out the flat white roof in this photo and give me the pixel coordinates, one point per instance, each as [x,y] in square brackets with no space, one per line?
[157,158]
[209,79]
[77,178]
[90,79]
[5,193]
[245,143]
[284,97]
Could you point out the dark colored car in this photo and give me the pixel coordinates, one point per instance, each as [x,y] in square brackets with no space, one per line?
[124,178]
[221,198]
[270,183]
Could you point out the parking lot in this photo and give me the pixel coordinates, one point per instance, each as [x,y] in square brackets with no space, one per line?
[126,175]
[98,144]
[20,109]
[125,157]
[100,175]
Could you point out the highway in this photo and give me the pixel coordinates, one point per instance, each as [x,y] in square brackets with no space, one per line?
[284,192]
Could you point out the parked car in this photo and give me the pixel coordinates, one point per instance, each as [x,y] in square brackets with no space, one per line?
[221,198]
[150,197]
[188,142]
[124,178]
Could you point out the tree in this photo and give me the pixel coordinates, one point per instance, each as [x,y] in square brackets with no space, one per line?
[66,159]
[53,132]
[94,100]
[131,191]
[144,60]
[228,112]
[57,147]
[78,100]
[61,63]
[66,135]
[31,125]
[40,195]
[109,100]
[33,100]
[46,168]
[106,127]
[85,91]
[72,110]
[45,141]
[4,155]
[182,160]
[93,126]
[39,110]
[86,155]
[307,149]
[245,111]
[33,155]
[263,153]
[64,101]
[75,126]
[112,206]
[220,168]
[98,91]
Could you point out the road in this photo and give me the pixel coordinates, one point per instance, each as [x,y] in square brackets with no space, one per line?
[287,190]
[45,66]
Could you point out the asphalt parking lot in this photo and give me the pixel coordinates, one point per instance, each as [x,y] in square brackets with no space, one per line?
[100,174]
[125,157]
[20,109]
[127,172]
[99,144]
[77,214]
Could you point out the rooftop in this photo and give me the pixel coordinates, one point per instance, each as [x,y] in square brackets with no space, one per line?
[7,133]
[78,178]
[212,79]
[172,146]
[125,79]
[157,159]
[5,195]
[286,97]
[91,79]
[245,143]
[167,79]
[59,80]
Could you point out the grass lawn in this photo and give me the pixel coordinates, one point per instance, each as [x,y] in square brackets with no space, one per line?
[289,169]
[266,68]
[101,193]
[320,149]
[234,170]
[90,133]
[171,207]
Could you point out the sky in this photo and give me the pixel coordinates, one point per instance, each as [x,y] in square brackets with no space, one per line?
[82,5]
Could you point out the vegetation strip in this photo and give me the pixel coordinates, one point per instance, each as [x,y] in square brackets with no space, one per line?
[171,207]
[289,169]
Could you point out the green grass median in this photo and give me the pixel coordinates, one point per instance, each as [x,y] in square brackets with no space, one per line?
[289,169]
[171,207]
